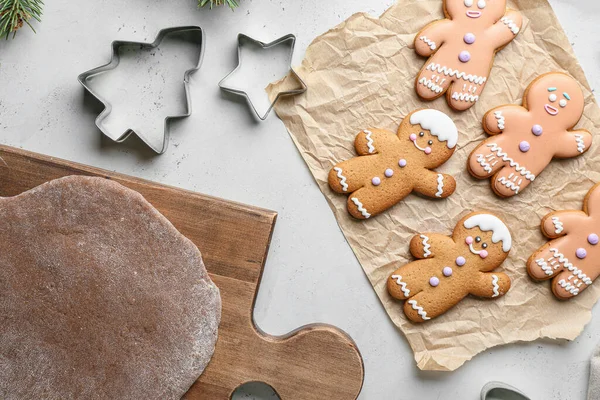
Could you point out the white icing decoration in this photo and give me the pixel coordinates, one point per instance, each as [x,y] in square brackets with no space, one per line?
[369,141]
[542,263]
[476,252]
[431,85]
[438,123]
[580,143]
[480,80]
[495,285]
[558,226]
[565,261]
[568,287]
[465,97]
[419,309]
[552,97]
[440,186]
[418,147]
[563,103]
[342,178]
[500,119]
[429,42]
[486,167]
[426,246]
[511,25]
[487,222]
[512,185]
[402,285]
[523,171]
[362,210]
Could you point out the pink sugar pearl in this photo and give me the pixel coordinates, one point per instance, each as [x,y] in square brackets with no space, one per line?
[483,254]
[469,240]
[427,150]
[413,137]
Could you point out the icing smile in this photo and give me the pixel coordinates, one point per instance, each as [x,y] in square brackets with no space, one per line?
[477,252]
[426,150]
[473,14]
[551,110]
[481,253]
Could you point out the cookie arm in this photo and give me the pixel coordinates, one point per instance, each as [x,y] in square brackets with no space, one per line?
[505,30]
[431,38]
[427,245]
[490,284]
[371,141]
[497,119]
[561,223]
[433,184]
[573,143]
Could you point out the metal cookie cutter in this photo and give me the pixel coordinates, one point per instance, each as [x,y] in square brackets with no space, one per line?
[195,35]
[245,40]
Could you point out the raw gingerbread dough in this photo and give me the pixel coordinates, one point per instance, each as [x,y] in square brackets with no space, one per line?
[100,296]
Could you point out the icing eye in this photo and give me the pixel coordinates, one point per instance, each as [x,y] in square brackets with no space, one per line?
[481,4]
[430,142]
[484,245]
[478,239]
[552,97]
[422,134]
[563,103]
[468,3]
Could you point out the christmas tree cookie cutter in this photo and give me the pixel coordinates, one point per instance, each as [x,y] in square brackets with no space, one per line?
[245,40]
[193,34]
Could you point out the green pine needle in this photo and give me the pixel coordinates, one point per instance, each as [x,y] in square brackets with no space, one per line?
[231,3]
[15,13]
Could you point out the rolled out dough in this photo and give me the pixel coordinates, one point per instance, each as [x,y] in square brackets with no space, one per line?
[100,296]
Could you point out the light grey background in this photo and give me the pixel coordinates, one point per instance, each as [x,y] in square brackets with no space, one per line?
[311,274]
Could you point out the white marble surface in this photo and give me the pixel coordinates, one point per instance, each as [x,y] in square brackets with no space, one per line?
[311,274]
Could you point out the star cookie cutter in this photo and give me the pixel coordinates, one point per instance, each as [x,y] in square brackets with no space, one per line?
[196,34]
[245,39]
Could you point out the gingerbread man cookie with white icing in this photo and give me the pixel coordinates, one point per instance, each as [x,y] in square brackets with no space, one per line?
[461,49]
[390,166]
[526,138]
[451,267]
[571,257]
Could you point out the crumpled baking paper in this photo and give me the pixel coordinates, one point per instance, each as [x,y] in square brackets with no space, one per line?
[361,74]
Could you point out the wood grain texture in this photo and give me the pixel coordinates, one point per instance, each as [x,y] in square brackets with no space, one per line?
[313,362]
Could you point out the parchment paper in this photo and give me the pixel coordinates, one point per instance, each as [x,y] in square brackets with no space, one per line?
[361,74]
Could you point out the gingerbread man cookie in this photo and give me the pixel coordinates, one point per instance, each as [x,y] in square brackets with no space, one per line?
[525,139]
[450,268]
[390,166]
[461,49]
[570,259]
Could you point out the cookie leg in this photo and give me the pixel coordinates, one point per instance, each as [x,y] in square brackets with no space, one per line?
[372,200]
[431,84]
[545,263]
[509,182]
[426,305]
[483,162]
[566,285]
[463,94]
[407,280]
[350,175]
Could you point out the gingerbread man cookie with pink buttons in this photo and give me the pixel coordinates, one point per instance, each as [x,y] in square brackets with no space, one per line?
[461,49]
[571,257]
[451,267]
[524,139]
[390,166]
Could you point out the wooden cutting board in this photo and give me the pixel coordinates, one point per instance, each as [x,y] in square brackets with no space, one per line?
[312,362]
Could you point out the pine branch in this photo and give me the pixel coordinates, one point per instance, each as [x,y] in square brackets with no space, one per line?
[231,3]
[15,13]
